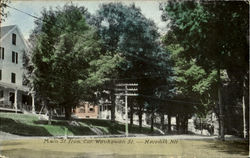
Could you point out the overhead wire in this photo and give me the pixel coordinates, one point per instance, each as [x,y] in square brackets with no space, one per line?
[148,61]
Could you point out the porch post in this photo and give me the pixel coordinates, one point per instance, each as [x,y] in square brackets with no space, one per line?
[33,103]
[15,100]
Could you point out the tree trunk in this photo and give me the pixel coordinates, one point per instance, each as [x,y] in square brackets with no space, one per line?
[186,125]
[221,113]
[162,121]
[140,115]
[152,120]
[177,123]
[50,116]
[131,114]
[201,126]
[112,106]
[244,110]
[169,123]
[68,110]
[46,102]
[247,105]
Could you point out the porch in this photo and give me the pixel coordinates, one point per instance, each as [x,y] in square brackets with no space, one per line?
[16,99]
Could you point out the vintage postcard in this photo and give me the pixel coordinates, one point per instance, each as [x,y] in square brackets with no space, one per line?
[124,79]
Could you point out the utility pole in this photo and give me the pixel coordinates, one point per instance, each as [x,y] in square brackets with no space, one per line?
[126,89]
[244,111]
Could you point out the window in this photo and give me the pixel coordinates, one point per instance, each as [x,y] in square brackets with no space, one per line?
[0,74]
[14,39]
[1,53]
[91,109]
[13,78]
[14,57]
[82,110]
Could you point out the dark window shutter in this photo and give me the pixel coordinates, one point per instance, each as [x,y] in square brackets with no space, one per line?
[2,53]
[13,57]
[17,58]
[13,78]
[14,39]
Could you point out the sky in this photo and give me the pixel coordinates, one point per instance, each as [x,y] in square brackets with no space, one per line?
[26,23]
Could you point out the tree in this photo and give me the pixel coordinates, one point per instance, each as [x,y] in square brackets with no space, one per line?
[3,5]
[63,54]
[126,30]
[212,32]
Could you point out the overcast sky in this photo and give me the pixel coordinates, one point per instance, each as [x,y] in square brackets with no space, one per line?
[26,23]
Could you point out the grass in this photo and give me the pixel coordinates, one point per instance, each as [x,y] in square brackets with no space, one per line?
[30,125]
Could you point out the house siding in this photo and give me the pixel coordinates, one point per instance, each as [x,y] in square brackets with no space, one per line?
[6,64]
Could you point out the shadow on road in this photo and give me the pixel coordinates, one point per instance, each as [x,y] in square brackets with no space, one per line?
[230,146]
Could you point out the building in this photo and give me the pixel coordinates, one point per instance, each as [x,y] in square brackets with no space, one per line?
[105,111]
[86,110]
[14,96]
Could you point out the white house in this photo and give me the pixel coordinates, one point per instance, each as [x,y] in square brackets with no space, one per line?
[13,94]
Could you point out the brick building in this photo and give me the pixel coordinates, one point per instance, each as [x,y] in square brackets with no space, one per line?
[86,110]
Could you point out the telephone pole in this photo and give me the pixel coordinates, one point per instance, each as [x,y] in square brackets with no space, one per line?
[126,89]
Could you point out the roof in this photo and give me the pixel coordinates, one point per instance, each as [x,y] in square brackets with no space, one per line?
[5,29]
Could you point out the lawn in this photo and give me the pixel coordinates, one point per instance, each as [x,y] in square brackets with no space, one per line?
[30,125]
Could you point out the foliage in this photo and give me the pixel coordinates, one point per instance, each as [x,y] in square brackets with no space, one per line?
[101,69]
[215,37]
[126,30]
[209,34]
[3,5]
[65,52]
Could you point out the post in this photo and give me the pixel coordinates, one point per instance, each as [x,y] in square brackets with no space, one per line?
[33,103]
[221,113]
[99,110]
[244,111]
[65,133]
[126,92]
[15,101]
[126,111]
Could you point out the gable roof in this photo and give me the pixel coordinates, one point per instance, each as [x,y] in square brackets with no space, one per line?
[5,29]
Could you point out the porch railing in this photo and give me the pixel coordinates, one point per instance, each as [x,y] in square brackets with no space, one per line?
[10,105]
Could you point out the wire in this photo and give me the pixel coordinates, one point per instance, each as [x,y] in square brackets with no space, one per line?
[23,12]
[145,77]
[171,100]
[149,61]
[132,55]
[48,22]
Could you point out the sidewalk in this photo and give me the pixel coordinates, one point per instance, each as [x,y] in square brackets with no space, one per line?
[7,136]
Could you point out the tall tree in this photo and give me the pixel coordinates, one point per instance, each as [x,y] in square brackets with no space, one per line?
[63,54]
[126,30]
[216,35]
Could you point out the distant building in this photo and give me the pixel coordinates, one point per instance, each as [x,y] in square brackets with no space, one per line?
[14,96]
[86,110]
[105,112]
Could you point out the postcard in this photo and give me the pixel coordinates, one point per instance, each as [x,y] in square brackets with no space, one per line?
[124,79]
